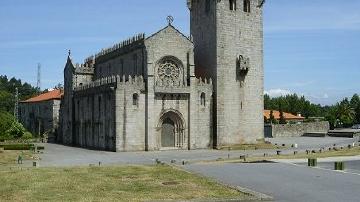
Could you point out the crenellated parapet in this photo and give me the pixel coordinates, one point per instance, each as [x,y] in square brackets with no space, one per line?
[83,69]
[120,48]
[114,81]
[203,82]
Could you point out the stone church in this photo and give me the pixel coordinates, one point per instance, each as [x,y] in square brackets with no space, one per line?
[170,91]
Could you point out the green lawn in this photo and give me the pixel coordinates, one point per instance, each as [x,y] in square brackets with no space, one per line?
[131,183]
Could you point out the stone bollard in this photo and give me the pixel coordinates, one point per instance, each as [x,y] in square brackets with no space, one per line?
[243,157]
[295,152]
[35,164]
[312,162]
[99,163]
[339,166]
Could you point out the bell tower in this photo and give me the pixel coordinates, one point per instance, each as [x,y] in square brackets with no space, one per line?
[228,47]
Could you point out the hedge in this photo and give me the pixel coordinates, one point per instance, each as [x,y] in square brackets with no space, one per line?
[21,147]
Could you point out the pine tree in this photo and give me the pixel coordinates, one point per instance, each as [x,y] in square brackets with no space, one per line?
[282,118]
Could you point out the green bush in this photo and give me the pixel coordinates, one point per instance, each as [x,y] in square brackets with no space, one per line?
[21,147]
[17,146]
[6,121]
[27,136]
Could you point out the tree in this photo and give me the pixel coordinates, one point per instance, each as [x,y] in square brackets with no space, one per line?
[282,119]
[272,118]
[357,114]
[355,101]
[345,113]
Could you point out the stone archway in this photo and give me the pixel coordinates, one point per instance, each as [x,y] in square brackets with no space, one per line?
[168,133]
[172,130]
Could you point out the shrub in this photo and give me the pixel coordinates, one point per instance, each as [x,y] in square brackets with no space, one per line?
[16,130]
[27,136]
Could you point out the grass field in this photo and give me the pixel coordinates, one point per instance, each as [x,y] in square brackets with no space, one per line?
[9,157]
[134,183]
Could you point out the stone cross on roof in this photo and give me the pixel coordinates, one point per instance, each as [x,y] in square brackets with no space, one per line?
[170,19]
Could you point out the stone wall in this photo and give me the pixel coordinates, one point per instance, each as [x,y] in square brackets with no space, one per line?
[296,130]
[40,117]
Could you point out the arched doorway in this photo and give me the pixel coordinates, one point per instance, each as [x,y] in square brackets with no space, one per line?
[168,133]
[172,130]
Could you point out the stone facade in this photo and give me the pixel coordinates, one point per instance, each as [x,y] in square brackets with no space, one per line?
[157,92]
[41,116]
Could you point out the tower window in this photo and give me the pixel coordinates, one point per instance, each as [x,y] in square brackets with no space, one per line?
[121,67]
[135,99]
[247,6]
[207,6]
[135,58]
[232,5]
[202,99]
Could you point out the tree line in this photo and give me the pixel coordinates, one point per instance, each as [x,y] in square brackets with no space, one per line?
[9,127]
[343,114]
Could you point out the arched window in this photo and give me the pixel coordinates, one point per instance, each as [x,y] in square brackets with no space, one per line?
[135,58]
[207,6]
[99,106]
[247,6]
[232,5]
[135,99]
[202,99]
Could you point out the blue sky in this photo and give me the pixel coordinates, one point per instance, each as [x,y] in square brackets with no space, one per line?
[311,46]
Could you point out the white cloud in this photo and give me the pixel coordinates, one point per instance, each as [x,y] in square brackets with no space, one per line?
[277,92]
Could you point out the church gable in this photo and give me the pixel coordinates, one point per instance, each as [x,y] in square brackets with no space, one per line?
[169,34]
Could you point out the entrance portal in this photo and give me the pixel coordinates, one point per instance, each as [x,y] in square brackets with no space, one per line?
[168,133]
[172,130]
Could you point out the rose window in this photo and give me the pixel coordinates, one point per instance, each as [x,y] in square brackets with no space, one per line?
[168,72]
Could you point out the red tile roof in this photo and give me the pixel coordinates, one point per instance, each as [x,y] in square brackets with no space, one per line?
[287,116]
[51,95]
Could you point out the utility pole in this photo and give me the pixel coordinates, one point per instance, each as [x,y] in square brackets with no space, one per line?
[38,85]
[16,107]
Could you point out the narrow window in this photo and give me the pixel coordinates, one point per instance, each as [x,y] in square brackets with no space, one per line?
[135,99]
[203,99]
[121,67]
[99,106]
[247,6]
[135,63]
[232,5]
[207,6]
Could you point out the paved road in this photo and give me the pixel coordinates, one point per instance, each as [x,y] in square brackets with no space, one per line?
[285,182]
[313,142]
[59,155]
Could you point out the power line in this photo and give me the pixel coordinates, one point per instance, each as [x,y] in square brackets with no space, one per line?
[38,85]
